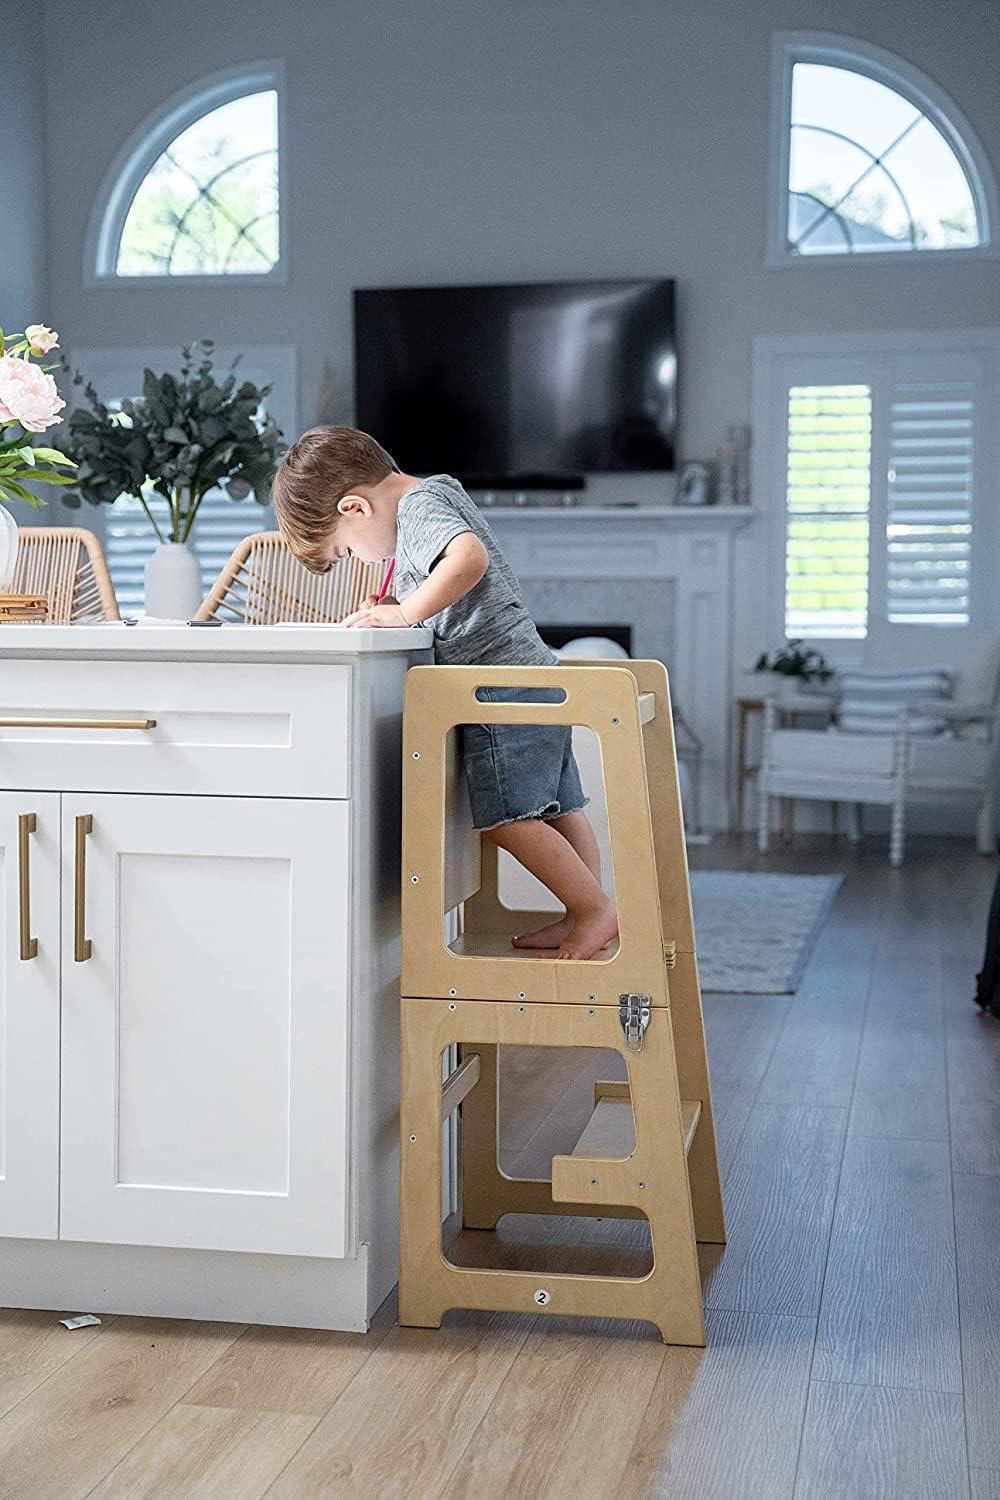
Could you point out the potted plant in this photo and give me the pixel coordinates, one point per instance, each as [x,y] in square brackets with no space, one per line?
[29,400]
[796,661]
[184,436]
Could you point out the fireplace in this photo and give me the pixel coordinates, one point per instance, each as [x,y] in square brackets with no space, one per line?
[660,575]
[558,636]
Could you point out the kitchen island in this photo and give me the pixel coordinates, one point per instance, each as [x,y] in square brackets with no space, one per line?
[199,863]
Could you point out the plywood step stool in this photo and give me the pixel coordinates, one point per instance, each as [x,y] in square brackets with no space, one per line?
[649,1149]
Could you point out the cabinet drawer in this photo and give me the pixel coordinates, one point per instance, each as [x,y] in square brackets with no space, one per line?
[237,729]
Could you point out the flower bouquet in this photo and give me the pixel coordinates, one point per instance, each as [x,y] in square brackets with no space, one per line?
[28,400]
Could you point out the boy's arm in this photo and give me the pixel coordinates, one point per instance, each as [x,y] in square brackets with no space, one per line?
[460,567]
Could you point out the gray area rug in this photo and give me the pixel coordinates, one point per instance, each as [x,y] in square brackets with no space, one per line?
[754,933]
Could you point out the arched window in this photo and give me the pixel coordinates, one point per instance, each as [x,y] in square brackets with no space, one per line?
[873,159]
[195,191]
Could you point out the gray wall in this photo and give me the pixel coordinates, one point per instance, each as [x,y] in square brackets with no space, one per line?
[463,140]
[22,176]
[24,294]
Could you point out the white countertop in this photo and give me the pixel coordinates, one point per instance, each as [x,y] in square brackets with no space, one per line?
[111,640]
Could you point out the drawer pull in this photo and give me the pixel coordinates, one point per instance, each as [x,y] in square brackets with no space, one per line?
[77,723]
[82,946]
[26,825]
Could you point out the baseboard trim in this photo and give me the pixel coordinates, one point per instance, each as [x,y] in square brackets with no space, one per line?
[210,1285]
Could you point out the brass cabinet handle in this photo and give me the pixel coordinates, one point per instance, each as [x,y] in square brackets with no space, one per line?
[26,825]
[39,723]
[82,946]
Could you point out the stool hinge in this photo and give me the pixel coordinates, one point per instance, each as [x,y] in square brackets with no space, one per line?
[634,1014]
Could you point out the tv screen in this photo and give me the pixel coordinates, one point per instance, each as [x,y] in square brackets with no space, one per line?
[519,384]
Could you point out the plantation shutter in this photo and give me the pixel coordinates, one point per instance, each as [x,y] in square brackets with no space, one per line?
[828,495]
[930,502]
[221,524]
[885,455]
[129,541]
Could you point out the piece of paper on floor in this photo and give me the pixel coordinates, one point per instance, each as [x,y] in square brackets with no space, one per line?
[85,1320]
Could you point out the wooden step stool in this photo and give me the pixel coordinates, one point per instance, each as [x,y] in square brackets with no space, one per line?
[649,1149]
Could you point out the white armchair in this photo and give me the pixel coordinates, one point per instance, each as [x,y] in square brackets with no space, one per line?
[896,770]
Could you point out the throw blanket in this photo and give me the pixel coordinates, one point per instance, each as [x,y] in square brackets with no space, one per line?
[871,699]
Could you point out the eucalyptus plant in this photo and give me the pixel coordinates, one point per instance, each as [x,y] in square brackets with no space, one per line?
[796,659]
[184,436]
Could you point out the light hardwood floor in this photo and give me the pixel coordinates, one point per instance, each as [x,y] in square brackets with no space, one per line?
[853,1321]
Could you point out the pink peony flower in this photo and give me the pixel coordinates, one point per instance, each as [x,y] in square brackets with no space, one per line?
[27,395]
[40,338]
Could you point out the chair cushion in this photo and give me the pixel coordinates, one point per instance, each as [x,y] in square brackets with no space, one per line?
[871,699]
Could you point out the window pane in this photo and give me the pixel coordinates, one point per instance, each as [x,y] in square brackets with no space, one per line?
[868,171]
[209,205]
[828,492]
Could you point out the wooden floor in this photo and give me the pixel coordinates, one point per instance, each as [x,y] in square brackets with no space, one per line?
[853,1321]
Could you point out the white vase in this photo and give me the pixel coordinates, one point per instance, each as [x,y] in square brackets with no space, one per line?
[8,549]
[173,582]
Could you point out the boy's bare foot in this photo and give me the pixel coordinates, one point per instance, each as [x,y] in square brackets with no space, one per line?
[550,936]
[590,932]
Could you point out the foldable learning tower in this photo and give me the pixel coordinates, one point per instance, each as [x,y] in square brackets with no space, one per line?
[649,1148]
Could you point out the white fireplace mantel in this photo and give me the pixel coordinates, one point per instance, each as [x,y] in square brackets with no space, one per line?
[681,517]
[681,557]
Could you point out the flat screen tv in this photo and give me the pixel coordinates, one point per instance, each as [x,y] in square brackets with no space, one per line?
[519,385]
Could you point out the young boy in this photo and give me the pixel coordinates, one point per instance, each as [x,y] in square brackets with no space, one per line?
[338,494]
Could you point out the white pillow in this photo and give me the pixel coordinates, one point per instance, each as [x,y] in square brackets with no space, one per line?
[590,647]
[872,699]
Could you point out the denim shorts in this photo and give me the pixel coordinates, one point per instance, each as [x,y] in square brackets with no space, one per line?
[518,771]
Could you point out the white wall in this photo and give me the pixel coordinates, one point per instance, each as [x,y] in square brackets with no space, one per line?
[451,140]
[465,139]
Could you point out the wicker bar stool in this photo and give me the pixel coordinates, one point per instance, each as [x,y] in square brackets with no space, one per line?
[263,584]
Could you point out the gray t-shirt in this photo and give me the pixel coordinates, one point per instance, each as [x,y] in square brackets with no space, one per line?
[489,625]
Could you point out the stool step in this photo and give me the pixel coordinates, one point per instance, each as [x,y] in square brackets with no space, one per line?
[610,1131]
[497,945]
[459,1083]
[690,1115]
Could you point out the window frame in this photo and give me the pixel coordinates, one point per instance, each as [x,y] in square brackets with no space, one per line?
[143,148]
[780,359]
[830,50]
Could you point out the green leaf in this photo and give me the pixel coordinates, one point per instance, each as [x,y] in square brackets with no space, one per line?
[27,454]
[20,493]
[53,456]
[49,476]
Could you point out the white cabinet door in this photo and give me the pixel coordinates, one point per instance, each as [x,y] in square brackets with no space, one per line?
[29,1015]
[205,1023]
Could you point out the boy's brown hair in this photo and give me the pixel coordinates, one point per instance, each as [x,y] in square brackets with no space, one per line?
[319,469]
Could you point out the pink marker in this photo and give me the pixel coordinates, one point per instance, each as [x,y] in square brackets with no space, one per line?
[386,581]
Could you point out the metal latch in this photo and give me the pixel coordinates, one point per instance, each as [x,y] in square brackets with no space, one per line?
[634,1014]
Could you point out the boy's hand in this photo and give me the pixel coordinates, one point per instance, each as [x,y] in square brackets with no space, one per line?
[374,615]
[374,599]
